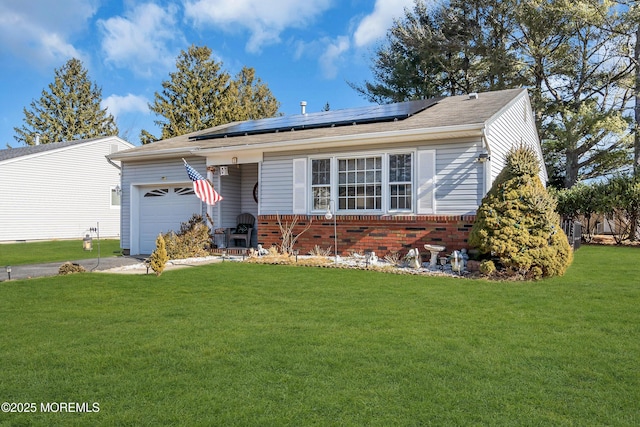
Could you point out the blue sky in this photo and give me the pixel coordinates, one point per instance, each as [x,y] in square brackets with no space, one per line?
[303,50]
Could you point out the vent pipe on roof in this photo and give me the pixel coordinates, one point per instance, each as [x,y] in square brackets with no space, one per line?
[303,107]
[36,139]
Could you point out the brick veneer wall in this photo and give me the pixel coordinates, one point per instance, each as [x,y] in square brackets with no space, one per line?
[364,233]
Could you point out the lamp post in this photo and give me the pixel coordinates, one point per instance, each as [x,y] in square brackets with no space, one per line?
[328,216]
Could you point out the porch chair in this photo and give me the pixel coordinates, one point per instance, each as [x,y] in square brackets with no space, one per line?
[242,230]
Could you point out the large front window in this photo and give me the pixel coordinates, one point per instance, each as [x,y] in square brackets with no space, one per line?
[360,183]
[373,182]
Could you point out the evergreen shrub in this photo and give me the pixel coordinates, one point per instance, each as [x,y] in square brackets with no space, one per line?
[192,240]
[517,226]
[159,257]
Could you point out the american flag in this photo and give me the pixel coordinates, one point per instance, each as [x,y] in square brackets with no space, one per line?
[203,189]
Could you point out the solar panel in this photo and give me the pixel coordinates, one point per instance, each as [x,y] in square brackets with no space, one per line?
[351,116]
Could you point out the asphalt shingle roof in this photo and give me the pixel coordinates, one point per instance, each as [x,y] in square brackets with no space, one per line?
[448,112]
[12,153]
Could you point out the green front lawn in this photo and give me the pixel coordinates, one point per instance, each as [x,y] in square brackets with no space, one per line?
[260,345]
[55,251]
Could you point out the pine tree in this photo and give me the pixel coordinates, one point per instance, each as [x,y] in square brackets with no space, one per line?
[69,110]
[573,56]
[517,222]
[159,257]
[200,94]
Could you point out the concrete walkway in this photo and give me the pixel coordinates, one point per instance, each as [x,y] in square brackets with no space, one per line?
[51,269]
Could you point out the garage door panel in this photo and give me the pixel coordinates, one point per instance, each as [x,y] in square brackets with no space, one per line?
[163,209]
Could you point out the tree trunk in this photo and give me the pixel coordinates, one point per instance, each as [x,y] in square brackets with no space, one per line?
[571,176]
[633,221]
[636,145]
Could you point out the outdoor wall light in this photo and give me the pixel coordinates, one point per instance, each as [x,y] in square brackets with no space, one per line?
[8,268]
[117,189]
[483,157]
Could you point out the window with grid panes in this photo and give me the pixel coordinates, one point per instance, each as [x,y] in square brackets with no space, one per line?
[321,183]
[400,182]
[360,183]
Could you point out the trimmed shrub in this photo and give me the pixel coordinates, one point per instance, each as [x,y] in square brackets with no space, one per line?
[487,267]
[159,257]
[517,225]
[193,239]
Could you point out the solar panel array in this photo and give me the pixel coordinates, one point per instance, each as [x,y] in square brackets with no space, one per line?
[351,116]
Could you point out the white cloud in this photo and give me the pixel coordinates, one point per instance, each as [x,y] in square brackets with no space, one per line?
[265,20]
[142,39]
[332,56]
[38,31]
[116,104]
[375,26]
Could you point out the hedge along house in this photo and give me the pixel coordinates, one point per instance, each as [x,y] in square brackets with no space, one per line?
[394,176]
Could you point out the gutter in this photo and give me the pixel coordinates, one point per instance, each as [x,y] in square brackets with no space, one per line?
[152,155]
[112,163]
[363,138]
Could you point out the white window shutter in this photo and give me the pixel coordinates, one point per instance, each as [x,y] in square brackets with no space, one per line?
[299,186]
[426,185]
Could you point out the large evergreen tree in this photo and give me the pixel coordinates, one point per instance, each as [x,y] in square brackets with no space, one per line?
[572,55]
[200,94]
[69,110]
[517,223]
[457,48]
[580,78]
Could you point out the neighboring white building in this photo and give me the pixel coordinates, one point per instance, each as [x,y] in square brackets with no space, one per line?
[60,190]
[396,176]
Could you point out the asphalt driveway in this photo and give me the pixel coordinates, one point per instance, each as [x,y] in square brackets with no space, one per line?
[51,269]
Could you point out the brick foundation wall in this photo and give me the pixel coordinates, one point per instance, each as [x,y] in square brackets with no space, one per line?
[364,233]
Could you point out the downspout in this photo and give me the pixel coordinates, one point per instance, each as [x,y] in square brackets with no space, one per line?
[486,165]
[112,163]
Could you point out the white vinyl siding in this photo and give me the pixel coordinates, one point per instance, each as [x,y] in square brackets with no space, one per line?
[512,128]
[458,178]
[276,185]
[60,193]
[460,185]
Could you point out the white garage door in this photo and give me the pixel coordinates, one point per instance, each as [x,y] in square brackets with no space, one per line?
[164,209]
